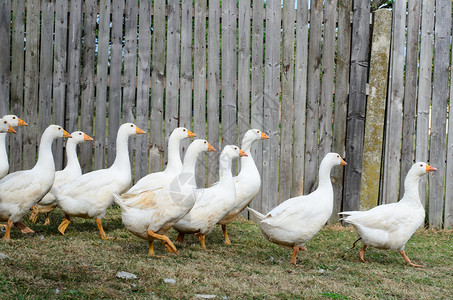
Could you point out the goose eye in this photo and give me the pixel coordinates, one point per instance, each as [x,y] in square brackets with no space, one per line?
[205,142]
[421,165]
[59,128]
[80,133]
[14,118]
[132,125]
[257,131]
[183,130]
[4,122]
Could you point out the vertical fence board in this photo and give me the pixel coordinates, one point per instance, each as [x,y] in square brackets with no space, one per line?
[143,75]
[341,99]
[313,96]
[87,82]
[17,82]
[287,83]
[213,91]
[74,62]
[410,90]
[59,74]
[357,104]
[271,104]
[157,89]
[395,106]
[45,69]
[256,108]
[172,69]
[115,78]
[439,111]
[199,84]
[448,221]
[424,89]
[31,83]
[300,98]
[101,86]
[185,102]
[5,34]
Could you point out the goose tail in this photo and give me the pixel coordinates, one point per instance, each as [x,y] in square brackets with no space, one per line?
[119,201]
[256,216]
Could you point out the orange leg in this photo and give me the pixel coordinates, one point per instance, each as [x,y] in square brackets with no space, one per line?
[151,248]
[64,224]
[225,234]
[23,228]
[101,230]
[362,253]
[34,214]
[406,259]
[7,236]
[295,251]
[165,241]
[180,237]
[201,238]
[47,220]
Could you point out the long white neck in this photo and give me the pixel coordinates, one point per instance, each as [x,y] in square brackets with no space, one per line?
[225,168]
[174,158]
[45,156]
[73,164]
[190,160]
[122,152]
[247,163]
[3,153]
[324,175]
[411,191]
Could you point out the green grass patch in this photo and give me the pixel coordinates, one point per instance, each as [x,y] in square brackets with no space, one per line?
[81,265]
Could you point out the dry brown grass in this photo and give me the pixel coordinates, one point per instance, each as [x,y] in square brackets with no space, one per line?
[81,265]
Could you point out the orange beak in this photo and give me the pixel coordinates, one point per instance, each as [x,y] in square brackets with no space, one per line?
[430,169]
[191,134]
[139,131]
[242,153]
[86,137]
[66,134]
[22,122]
[11,129]
[264,136]
[210,148]
[342,162]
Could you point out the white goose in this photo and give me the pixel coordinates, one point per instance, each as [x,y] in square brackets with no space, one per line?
[295,221]
[247,183]
[91,194]
[68,174]
[150,214]
[211,204]
[4,165]
[174,165]
[19,191]
[390,226]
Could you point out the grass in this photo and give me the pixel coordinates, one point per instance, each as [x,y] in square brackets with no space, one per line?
[81,265]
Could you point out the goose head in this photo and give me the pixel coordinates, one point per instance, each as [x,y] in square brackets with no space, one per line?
[201,146]
[80,136]
[56,131]
[421,168]
[181,133]
[6,127]
[231,151]
[254,135]
[333,159]
[14,121]
[129,129]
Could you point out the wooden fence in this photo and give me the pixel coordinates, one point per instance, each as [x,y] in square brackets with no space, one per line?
[297,71]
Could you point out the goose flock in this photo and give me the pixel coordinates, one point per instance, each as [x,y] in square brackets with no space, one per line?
[171,199]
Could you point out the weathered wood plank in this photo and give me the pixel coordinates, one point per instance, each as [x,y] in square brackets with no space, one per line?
[357,104]
[45,69]
[410,90]
[87,82]
[101,85]
[157,88]
[375,113]
[439,112]
[271,104]
[199,84]
[341,99]
[31,83]
[448,222]
[395,107]
[59,74]
[213,100]
[300,98]
[313,96]
[115,78]
[17,82]
[327,83]
[74,63]
[5,34]
[229,57]
[185,99]
[172,69]
[424,89]
[287,83]
[143,75]
[257,117]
